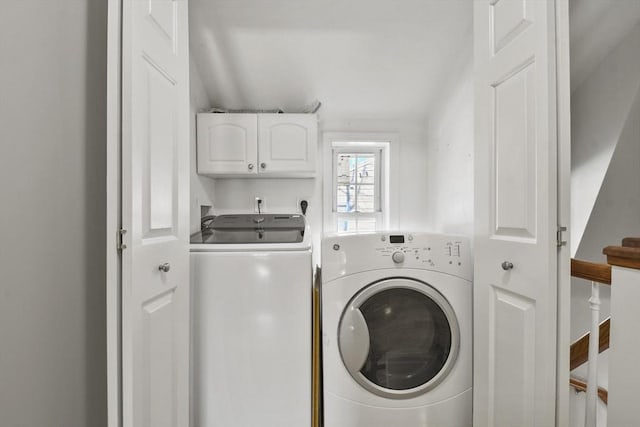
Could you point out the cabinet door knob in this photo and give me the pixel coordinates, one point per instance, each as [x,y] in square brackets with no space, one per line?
[250,166]
[164,267]
[263,165]
[506,265]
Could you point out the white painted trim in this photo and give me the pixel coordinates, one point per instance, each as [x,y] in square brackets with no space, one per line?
[113,279]
[391,163]
[563,99]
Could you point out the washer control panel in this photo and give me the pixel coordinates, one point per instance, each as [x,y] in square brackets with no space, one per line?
[362,252]
[403,247]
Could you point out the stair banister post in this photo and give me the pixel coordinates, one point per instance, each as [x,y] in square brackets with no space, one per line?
[594,341]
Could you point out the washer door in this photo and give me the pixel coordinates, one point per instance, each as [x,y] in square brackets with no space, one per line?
[398,337]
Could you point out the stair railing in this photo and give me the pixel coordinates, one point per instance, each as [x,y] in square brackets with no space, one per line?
[598,274]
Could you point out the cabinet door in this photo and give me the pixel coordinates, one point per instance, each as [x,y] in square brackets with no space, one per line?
[287,143]
[227,143]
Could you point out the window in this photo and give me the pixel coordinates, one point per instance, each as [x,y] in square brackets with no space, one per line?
[356,188]
[356,185]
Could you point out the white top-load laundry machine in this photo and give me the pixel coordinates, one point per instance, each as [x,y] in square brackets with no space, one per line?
[397,331]
[251,281]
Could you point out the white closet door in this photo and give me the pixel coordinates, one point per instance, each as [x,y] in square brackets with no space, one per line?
[515,288]
[155,203]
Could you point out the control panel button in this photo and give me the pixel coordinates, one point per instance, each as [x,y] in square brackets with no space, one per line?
[398,257]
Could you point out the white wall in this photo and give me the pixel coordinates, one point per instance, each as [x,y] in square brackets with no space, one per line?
[52,219]
[450,151]
[597,27]
[599,108]
[201,186]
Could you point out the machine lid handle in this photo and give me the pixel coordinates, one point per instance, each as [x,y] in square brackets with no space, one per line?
[353,340]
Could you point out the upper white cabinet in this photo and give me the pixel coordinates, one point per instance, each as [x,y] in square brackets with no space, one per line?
[287,142]
[245,145]
[227,143]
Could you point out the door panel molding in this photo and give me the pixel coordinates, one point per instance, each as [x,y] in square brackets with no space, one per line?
[514,146]
[514,315]
[510,19]
[163,16]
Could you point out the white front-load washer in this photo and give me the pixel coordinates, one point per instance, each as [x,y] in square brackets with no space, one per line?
[397,332]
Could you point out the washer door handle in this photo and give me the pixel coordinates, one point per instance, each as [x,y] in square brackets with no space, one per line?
[353,340]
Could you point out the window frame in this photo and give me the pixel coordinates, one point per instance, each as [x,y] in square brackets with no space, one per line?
[379,144]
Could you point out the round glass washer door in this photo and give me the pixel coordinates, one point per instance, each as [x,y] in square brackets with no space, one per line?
[398,337]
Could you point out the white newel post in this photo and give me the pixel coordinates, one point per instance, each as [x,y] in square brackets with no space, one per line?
[594,344]
[624,353]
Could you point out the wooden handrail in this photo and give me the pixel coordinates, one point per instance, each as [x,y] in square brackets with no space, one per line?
[631,242]
[595,272]
[582,386]
[579,353]
[623,256]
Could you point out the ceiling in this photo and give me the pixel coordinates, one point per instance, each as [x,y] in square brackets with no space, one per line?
[360,58]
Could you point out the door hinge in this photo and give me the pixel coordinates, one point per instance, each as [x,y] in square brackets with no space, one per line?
[120,246]
[559,241]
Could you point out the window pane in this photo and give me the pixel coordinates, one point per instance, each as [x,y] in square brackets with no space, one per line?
[366,168]
[356,188]
[345,198]
[366,199]
[345,168]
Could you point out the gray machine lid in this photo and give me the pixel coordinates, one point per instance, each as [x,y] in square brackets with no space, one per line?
[252,228]
[256,221]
